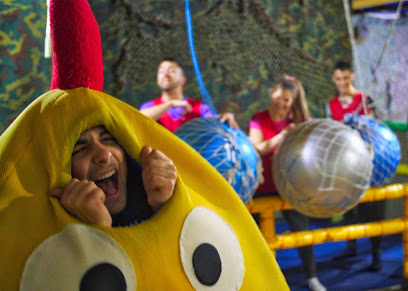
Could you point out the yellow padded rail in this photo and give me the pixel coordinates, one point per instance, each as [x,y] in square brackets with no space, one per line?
[266,206]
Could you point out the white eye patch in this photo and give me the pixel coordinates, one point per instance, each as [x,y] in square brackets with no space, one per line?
[210,252]
[78,258]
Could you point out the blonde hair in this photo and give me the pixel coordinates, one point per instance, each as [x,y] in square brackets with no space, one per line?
[299,106]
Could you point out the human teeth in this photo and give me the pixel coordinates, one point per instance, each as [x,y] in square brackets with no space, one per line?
[107,175]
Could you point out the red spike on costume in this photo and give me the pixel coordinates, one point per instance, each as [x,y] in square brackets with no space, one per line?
[76,43]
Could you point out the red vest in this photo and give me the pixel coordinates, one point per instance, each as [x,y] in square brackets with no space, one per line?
[172,124]
[338,112]
[269,130]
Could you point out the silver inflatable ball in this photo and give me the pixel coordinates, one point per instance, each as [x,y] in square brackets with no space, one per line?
[322,168]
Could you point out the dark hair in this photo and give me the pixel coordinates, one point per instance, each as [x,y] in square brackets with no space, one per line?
[343,66]
[299,106]
[171,59]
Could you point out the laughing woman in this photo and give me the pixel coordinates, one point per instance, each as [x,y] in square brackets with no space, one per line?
[267,130]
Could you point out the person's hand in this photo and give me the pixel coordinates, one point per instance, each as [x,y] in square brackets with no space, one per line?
[285,131]
[230,118]
[181,103]
[289,128]
[159,177]
[84,200]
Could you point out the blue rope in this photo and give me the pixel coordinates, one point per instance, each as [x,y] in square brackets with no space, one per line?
[201,85]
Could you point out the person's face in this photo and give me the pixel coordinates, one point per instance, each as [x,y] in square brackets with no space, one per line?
[170,76]
[282,100]
[98,157]
[343,80]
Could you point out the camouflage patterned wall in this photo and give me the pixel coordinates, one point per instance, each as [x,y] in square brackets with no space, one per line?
[24,72]
[318,27]
[137,34]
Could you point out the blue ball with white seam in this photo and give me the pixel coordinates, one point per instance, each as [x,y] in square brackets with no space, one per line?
[384,145]
[228,150]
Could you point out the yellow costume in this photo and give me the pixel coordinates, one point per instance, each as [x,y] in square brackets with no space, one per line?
[39,236]
[203,238]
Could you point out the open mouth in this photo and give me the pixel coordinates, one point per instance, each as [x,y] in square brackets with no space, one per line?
[166,82]
[109,183]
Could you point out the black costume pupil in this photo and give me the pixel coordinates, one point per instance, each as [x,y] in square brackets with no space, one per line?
[103,277]
[207,264]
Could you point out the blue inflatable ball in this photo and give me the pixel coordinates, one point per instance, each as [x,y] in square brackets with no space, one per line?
[384,145]
[228,150]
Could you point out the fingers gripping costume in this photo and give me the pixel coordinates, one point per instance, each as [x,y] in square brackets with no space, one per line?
[203,238]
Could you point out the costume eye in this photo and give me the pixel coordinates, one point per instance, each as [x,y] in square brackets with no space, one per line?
[78,258]
[210,252]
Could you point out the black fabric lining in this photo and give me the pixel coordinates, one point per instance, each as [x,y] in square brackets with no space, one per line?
[137,208]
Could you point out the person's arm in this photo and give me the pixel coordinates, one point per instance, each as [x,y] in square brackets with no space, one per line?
[85,201]
[225,117]
[159,177]
[263,146]
[372,109]
[156,111]
[328,111]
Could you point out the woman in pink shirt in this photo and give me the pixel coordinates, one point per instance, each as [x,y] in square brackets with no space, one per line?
[267,129]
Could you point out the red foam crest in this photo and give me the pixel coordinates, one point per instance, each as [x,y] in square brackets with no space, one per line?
[76,44]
